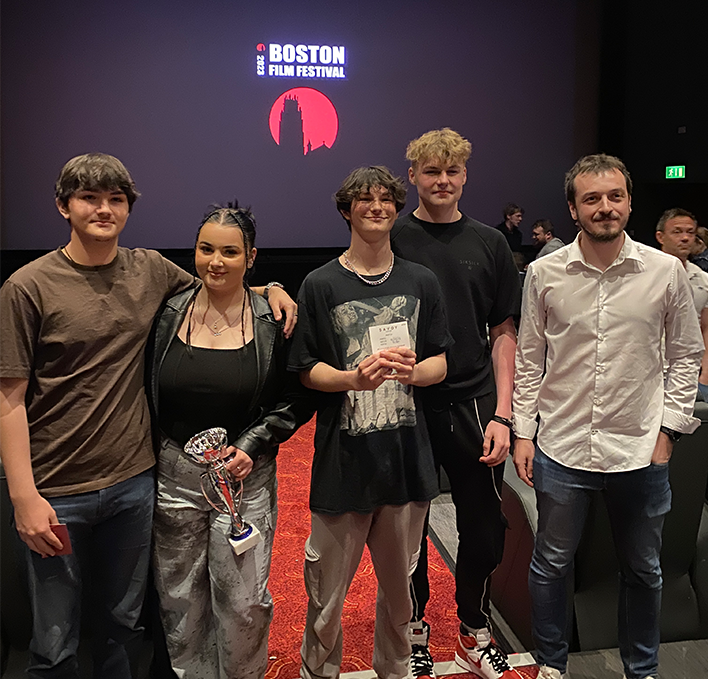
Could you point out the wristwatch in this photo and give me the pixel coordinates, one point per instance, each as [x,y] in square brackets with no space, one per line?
[673,435]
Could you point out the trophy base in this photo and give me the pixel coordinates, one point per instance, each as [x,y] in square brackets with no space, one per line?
[249,538]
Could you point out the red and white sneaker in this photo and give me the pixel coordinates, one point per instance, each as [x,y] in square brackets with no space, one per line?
[479,654]
[421,664]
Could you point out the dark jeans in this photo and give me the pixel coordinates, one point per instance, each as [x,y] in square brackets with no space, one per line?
[457,433]
[110,533]
[637,502]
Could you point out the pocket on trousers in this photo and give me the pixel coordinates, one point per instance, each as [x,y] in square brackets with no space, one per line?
[658,490]
[313,575]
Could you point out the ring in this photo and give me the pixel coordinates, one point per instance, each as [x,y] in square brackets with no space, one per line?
[238,469]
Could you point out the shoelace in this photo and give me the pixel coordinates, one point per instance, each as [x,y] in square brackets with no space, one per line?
[496,658]
[421,661]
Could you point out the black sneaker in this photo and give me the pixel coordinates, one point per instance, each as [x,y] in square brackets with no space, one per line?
[421,665]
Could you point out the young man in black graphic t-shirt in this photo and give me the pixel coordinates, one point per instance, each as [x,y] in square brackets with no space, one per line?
[372,330]
[468,414]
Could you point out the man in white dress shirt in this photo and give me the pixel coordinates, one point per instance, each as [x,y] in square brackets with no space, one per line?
[676,233]
[589,364]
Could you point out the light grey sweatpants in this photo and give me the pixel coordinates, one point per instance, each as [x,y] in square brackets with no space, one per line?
[332,554]
[215,606]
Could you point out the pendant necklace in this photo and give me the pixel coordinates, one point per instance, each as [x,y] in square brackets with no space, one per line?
[213,328]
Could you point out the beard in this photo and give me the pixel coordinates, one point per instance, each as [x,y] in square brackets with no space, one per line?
[604,231]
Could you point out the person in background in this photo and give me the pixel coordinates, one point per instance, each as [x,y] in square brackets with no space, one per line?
[699,253]
[589,369]
[74,423]
[219,359]
[372,331]
[468,414]
[513,214]
[544,238]
[676,233]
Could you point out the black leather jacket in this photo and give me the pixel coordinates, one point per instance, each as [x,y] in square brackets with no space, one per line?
[280,403]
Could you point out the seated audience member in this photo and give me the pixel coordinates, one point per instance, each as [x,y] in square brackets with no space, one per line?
[219,361]
[699,254]
[544,238]
[372,331]
[676,233]
[513,214]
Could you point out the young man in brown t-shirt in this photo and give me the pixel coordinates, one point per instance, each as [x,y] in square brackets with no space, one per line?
[74,423]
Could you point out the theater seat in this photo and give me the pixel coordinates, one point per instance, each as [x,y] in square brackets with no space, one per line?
[594,584]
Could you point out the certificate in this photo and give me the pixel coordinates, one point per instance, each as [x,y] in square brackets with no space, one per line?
[389,336]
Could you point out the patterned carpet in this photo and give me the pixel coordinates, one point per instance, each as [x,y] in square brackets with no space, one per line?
[288,589]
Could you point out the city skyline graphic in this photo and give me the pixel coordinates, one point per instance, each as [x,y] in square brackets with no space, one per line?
[303,120]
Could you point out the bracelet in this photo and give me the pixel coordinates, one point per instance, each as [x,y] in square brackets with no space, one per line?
[504,421]
[272,284]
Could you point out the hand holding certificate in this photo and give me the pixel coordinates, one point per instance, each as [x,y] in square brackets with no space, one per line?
[391,342]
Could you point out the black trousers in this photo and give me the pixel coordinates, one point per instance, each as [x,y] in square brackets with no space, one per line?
[457,433]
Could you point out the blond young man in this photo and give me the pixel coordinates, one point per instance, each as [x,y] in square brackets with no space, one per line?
[468,416]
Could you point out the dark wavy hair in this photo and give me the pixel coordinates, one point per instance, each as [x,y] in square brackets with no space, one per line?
[364,179]
[94,172]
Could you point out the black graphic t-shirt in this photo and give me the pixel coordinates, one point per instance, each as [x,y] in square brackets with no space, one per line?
[371,447]
[482,289]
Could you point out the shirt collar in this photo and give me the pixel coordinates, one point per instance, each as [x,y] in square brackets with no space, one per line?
[629,251]
[693,270]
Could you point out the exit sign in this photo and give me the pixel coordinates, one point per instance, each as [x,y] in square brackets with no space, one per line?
[676,172]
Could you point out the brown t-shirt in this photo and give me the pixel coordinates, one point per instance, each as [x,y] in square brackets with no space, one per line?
[78,334]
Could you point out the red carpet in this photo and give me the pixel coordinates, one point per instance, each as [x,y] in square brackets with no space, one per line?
[288,588]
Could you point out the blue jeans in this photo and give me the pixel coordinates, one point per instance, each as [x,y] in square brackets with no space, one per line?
[637,502]
[702,392]
[110,537]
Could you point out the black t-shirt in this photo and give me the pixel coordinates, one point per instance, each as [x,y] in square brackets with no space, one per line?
[513,236]
[371,447]
[201,388]
[481,286]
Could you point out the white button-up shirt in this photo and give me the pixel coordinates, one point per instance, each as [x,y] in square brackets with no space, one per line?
[699,284]
[589,356]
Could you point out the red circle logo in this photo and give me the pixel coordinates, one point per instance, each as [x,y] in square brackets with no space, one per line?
[260,47]
[303,118]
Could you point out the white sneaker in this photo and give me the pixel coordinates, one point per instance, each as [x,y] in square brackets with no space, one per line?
[546,672]
[479,654]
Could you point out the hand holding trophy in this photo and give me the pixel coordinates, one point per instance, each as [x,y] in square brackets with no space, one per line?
[221,490]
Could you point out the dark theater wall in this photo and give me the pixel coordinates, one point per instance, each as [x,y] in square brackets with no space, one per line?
[173,88]
[653,110]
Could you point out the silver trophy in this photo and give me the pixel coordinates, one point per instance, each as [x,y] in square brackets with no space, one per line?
[221,490]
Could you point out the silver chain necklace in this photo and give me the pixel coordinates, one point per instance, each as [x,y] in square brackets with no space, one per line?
[383,278]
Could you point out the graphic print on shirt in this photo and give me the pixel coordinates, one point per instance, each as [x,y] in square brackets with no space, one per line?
[391,405]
